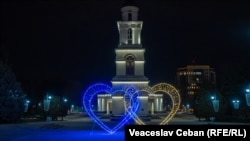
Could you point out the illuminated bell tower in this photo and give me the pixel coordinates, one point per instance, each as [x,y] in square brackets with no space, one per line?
[129,54]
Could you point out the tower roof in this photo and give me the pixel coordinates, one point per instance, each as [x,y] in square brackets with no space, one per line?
[129,3]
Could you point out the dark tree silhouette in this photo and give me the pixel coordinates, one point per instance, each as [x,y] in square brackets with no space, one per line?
[203,107]
[11,96]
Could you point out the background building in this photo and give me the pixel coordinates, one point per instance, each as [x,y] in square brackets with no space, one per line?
[190,78]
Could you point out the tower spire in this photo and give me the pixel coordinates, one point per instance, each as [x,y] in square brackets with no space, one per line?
[129,11]
[129,27]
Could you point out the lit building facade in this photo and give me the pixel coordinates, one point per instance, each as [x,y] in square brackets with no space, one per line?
[190,78]
[129,68]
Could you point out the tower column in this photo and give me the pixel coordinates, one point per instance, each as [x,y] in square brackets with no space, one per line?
[134,37]
[103,104]
[99,104]
[160,104]
[152,108]
[156,101]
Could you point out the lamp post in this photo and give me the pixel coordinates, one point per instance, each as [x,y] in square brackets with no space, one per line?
[188,106]
[47,105]
[215,103]
[236,104]
[26,105]
[72,109]
[64,100]
[247,94]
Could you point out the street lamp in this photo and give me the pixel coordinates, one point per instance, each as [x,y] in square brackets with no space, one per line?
[188,106]
[62,107]
[72,108]
[215,103]
[26,105]
[47,105]
[236,104]
[247,97]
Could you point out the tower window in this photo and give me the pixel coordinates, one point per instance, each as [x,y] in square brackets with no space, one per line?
[130,65]
[130,36]
[129,16]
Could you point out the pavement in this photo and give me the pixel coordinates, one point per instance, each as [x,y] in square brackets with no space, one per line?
[78,127]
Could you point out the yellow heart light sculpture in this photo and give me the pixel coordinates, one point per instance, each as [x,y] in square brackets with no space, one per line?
[168,89]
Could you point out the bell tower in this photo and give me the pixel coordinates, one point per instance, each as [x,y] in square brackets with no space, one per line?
[130,62]
[129,53]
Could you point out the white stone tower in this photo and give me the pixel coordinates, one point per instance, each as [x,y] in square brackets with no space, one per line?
[129,57]
[130,54]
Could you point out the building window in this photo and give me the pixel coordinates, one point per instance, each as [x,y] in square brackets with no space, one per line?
[130,36]
[130,66]
[129,16]
[197,79]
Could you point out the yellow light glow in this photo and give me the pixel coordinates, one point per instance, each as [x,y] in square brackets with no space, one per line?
[167,89]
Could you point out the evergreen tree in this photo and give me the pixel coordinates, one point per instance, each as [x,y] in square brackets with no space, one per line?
[203,107]
[232,85]
[11,96]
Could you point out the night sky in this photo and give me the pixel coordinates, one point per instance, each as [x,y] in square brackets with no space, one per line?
[71,44]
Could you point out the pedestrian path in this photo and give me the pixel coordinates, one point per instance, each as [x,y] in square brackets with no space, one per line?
[79,127]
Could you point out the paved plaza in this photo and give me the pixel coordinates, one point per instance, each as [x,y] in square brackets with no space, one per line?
[75,127]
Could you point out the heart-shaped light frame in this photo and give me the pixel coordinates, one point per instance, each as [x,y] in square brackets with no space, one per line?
[167,89]
[98,88]
[133,104]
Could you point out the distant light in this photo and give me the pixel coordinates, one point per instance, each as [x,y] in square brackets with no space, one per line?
[212,97]
[65,100]
[247,90]
[49,97]
[236,104]
[236,101]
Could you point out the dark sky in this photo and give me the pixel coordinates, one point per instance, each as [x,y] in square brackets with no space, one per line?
[73,42]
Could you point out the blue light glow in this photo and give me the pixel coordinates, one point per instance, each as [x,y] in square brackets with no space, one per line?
[132,104]
[102,88]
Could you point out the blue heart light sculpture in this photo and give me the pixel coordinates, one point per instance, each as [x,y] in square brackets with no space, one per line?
[98,88]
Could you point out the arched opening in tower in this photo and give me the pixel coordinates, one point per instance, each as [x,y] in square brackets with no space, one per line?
[130,66]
